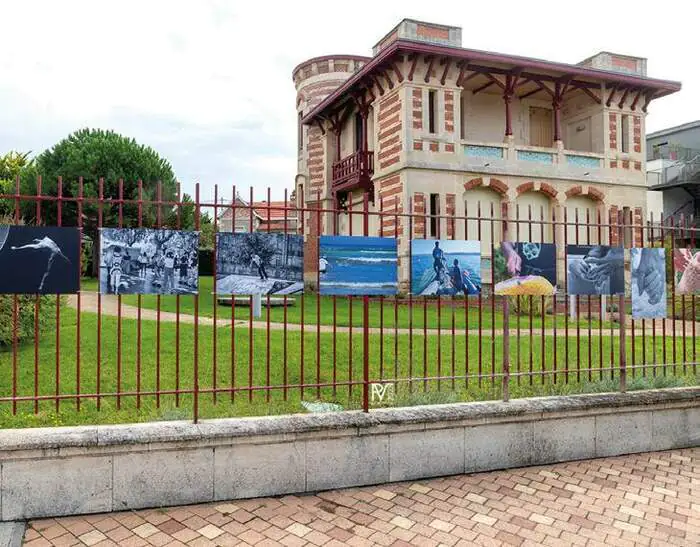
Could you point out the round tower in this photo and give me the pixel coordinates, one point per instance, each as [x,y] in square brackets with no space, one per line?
[314,80]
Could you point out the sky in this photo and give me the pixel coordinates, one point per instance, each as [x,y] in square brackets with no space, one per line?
[208,83]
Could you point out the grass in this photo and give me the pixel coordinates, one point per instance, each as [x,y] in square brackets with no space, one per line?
[390,357]
[349,311]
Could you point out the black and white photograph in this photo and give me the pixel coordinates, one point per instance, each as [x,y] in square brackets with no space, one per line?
[39,260]
[648,283]
[147,261]
[595,270]
[259,263]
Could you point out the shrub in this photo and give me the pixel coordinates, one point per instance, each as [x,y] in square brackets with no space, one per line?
[25,317]
[206,262]
[527,303]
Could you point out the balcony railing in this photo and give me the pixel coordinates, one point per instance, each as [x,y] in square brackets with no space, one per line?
[356,168]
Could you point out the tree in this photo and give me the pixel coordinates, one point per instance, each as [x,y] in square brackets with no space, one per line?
[11,165]
[94,154]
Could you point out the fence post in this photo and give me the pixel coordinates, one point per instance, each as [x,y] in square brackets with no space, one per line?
[365,320]
[621,314]
[506,349]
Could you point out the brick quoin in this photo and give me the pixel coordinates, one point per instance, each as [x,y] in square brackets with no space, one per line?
[473,183]
[418,145]
[449,148]
[389,132]
[638,230]
[417,124]
[417,92]
[614,230]
[450,211]
[389,162]
[388,101]
[390,151]
[638,165]
[434,147]
[613,164]
[383,115]
[388,142]
[625,164]
[525,187]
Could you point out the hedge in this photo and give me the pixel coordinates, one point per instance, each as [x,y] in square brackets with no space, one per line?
[25,317]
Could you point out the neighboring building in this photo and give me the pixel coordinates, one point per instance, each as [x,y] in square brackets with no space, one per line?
[427,126]
[267,217]
[673,169]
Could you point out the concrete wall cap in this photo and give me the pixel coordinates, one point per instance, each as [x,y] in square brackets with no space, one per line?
[179,431]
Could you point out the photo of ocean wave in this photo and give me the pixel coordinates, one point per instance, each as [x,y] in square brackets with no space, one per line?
[352,265]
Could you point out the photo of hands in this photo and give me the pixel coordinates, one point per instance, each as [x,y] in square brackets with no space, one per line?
[686,266]
[525,269]
[648,283]
[595,270]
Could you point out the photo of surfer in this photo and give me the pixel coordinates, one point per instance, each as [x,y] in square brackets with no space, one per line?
[525,269]
[445,267]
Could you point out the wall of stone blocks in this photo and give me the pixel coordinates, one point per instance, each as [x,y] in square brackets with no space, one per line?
[94,469]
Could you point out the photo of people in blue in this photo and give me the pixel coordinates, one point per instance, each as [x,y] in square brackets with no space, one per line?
[445,267]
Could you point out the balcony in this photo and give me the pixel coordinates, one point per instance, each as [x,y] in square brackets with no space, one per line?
[354,171]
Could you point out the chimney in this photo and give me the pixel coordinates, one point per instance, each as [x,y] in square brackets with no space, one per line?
[419,31]
[614,62]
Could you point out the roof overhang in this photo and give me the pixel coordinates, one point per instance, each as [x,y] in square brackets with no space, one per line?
[552,70]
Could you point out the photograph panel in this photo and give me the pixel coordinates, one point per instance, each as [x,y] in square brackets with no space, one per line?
[148,261]
[648,283]
[525,269]
[39,260]
[595,270]
[351,265]
[259,263]
[445,267]
[686,268]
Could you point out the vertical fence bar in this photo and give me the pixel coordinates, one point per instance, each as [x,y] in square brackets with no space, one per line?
[481,315]
[78,302]
[119,306]
[138,319]
[554,297]
[159,198]
[98,372]
[493,304]
[578,308]
[506,349]
[590,317]
[623,332]
[251,229]
[410,296]
[268,392]
[530,297]
[15,314]
[195,373]
[177,304]
[214,300]
[600,305]
[427,225]
[37,304]
[397,219]
[234,206]
[350,302]
[365,318]
[318,301]
[59,217]
[284,321]
[381,299]
[692,299]
[673,294]
[334,298]
[466,304]
[566,300]
[518,300]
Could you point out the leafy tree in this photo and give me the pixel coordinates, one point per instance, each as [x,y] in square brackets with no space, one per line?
[94,154]
[11,165]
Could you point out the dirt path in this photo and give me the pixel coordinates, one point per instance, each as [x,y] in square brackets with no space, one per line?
[88,303]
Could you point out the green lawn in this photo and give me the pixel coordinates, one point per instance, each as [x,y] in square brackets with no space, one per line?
[425,312]
[396,358]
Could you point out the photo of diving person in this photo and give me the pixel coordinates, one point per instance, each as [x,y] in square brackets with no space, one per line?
[445,267]
[595,270]
[525,269]
[39,260]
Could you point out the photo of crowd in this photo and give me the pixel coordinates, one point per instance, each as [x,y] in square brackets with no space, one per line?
[146,261]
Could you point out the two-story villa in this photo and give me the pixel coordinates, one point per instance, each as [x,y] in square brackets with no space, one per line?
[429,127]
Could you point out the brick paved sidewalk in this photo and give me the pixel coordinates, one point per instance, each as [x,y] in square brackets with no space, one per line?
[646,499]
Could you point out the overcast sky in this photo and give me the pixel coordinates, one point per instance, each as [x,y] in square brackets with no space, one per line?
[208,83]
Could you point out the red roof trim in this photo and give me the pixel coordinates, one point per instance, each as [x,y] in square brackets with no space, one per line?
[604,76]
[338,57]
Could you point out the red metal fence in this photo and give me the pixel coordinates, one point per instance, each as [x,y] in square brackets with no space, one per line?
[155,356]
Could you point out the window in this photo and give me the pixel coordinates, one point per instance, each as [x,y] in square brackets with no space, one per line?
[358,132]
[300,132]
[432,110]
[625,133]
[434,212]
